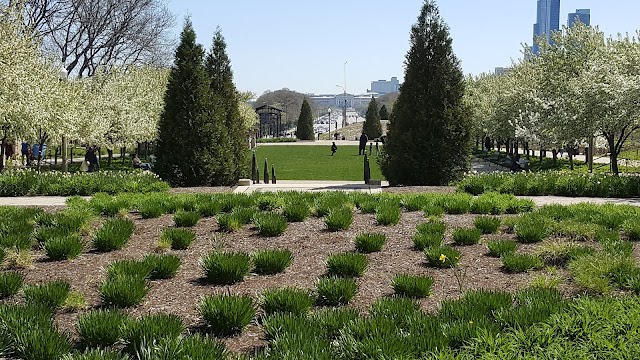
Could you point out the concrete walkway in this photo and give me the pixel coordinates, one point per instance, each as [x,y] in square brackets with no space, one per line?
[313,186]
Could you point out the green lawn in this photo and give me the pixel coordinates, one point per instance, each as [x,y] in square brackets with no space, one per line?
[301,162]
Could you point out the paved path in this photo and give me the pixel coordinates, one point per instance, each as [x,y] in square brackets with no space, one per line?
[314,186]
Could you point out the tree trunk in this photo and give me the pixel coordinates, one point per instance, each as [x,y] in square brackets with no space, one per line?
[541,156]
[55,156]
[526,149]
[614,154]
[554,152]
[570,153]
[109,156]
[123,153]
[508,149]
[2,153]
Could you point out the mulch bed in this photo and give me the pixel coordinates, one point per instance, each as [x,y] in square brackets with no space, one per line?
[310,243]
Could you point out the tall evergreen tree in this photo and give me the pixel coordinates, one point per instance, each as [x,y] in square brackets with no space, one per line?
[372,126]
[384,113]
[305,122]
[428,137]
[190,128]
[232,157]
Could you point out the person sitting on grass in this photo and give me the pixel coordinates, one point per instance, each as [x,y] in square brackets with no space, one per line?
[138,164]
[334,148]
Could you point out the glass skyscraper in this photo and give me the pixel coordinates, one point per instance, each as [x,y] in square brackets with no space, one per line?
[584,15]
[548,20]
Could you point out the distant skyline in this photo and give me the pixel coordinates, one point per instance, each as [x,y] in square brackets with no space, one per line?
[303,45]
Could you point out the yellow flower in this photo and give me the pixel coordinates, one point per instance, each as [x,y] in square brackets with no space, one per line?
[471,322]
[443,257]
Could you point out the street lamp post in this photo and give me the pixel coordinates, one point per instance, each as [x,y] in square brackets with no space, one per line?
[344,105]
[329,123]
[65,167]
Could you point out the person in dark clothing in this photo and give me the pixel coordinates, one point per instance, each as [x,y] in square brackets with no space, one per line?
[363,144]
[334,148]
[370,148]
[91,159]
[377,148]
[26,150]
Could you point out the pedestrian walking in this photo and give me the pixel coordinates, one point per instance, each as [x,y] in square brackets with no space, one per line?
[377,149]
[334,148]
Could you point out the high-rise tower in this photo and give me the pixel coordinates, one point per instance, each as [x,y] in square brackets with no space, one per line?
[584,15]
[548,20]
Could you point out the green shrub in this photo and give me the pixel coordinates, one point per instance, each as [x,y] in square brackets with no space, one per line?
[101,328]
[346,265]
[557,253]
[97,354]
[487,224]
[64,248]
[10,283]
[332,320]
[195,347]
[517,263]
[335,291]
[576,231]
[442,256]
[179,238]
[148,328]
[36,343]
[186,218]
[339,219]
[150,209]
[268,202]
[227,315]
[398,309]
[50,295]
[113,235]
[331,202]
[457,204]
[269,262]
[414,286]
[433,210]
[368,207]
[226,268]
[498,248]
[415,202]
[123,291]
[531,229]
[162,266]
[475,305]
[601,272]
[388,214]
[129,268]
[422,241]
[270,224]
[432,227]
[289,300]
[208,208]
[229,222]
[533,305]
[466,236]
[296,211]
[46,233]
[369,242]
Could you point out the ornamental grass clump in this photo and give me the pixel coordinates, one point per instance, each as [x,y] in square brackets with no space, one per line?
[487,224]
[270,262]
[631,229]
[129,268]
[287,300]
[227,315]
[229,222]
[533,305]
[397,309]
[208,208]
[10,283]
[149,329]
[456,204]
[226,268]
[162,266]
[332,320]
[64,248]
[518,263]
[101,328]
[422,241]
[388,214]
[432,227]
[368,207]
[330,202]
[151,209]
[339,219]
[463,236]
[532,228]
[270,224]
[124,291]
[559,253]
[442,256]
[184,219]
[40,343]
[50,295]
[296,211]
[576,231]
[367,243]
[113,235]
[413,286]
[268,202]
[335,291]
[97,354]
[179,238]
[498,248]
[346,265]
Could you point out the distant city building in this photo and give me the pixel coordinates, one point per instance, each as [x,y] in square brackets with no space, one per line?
[501,70]
[385,87]
[338,101]
[548,20]
[582,15]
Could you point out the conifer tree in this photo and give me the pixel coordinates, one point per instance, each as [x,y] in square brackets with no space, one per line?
[428,138]
[384,113]
[305,122]
[232,157]
[190,128]
[372,126]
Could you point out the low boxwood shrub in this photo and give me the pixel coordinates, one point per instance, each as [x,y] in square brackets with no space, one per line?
[10,283]
[269,262]
[270,224]
[339,219]
[124,291]
[422,241]
[463,236]
[186,218]
[64,248]
[162,266]
[335,291]
[151,328]
[487,224]
[388,214]
[226,268]
[227,315]
[369,242]
[517,263]
[442,256]
[288,300]
[497,248]
[101,328]
[413,286]
[296,211]
[346,265]
[113,235]
[179,238]
[50,295]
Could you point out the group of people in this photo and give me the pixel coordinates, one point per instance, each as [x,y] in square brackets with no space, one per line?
[362,148]
[29,153]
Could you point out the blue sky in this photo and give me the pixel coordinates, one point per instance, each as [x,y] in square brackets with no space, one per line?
[303,45]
